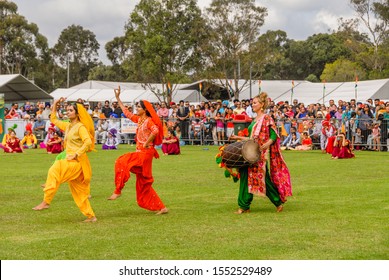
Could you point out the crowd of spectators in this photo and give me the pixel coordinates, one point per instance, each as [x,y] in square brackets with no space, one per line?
[365,124]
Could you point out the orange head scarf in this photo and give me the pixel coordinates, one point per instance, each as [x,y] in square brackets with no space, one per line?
[156,120]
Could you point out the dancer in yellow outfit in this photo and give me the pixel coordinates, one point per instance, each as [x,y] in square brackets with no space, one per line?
[75,168]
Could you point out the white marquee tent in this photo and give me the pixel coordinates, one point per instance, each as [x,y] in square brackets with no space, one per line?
[281,90]
[307,92]
[95,91]
[16,87]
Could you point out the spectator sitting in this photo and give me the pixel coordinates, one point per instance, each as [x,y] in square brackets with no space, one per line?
[55,143]
[171,144]
[101,130]
[342,147]
[46,112]
[29,140]
[88,109]
[13,144]
[179,135]
[112,141]
[13,112]
[39,127]
[292,143]
[287,139]
[306,142]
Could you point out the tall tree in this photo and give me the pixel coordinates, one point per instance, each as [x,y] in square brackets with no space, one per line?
[21,44]
[342,70]
[234,25]
[77,48]
[163,39]
[374,15]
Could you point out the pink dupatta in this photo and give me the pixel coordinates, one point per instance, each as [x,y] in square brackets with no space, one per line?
[279,172]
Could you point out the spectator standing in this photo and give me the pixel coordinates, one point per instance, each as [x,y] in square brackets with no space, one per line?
[163,111]
[239,110]
[183,119]
[107,110]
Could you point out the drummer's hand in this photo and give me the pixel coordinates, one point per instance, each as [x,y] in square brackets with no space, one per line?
[234,137]
[266,145]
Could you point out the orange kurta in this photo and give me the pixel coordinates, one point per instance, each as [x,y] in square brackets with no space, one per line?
[140,163]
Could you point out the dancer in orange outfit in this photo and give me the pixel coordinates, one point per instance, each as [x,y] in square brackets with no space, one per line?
[75,168]
[149,133]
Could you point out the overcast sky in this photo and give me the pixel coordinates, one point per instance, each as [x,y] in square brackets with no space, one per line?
[106,18]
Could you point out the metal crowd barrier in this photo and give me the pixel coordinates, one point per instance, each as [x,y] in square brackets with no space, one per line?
[207,134]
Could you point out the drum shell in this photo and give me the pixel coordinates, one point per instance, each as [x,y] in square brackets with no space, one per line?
[240,154]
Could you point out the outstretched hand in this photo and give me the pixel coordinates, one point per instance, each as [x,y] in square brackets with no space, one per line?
[117,92]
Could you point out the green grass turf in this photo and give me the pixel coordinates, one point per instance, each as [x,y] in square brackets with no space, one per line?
[339,211]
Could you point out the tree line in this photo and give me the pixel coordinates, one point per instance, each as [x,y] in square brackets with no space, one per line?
[174,41]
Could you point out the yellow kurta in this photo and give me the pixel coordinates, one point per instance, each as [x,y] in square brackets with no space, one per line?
[29,140]
[76,172]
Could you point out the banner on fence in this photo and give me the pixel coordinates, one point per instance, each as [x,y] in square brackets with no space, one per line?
[127,126]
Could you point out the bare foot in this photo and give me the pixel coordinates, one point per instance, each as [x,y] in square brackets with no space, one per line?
[43,205]
[43,185]
[89,196]
[114,196]
[241,211]
[162,211]
[90,220]
[280,208]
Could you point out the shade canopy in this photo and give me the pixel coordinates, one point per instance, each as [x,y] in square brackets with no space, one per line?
[17,88]
[99,91]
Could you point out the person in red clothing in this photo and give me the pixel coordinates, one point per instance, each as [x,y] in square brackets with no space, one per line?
[306,142]
[342,147]
[171,144]
[13,144]
[149,134]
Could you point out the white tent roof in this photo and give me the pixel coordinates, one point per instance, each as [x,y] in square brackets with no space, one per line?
[17,88]
[127,96]
[307,92]
[95,91]
[303,91]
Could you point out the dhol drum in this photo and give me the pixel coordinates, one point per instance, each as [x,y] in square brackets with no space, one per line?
[239,154]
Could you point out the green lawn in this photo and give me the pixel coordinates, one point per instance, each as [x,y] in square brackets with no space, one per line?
[340,210]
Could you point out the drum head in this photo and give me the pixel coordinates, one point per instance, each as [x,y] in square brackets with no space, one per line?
[250,151]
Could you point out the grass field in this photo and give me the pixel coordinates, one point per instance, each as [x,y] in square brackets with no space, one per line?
[340,210]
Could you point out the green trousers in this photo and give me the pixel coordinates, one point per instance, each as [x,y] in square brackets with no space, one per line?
[245,198]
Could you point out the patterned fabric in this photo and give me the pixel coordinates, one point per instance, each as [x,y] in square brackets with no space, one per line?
[143,130]
[140,163]
[279,173]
